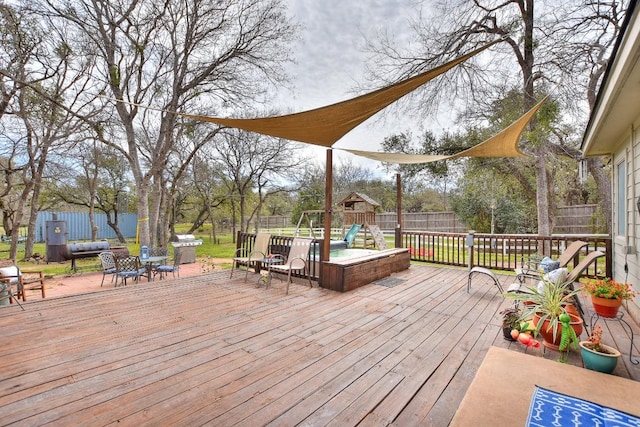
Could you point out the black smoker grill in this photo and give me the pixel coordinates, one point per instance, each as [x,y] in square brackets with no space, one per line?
[75,251]
[186,244]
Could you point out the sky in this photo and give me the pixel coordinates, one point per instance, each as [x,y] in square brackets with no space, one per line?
[331,61]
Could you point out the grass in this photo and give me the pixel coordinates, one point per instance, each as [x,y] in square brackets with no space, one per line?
[224,248]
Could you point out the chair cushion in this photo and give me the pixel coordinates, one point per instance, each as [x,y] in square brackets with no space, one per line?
[547,264]
[11,271]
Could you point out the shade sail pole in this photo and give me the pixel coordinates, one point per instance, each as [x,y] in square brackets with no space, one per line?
[398,237]
[328,202]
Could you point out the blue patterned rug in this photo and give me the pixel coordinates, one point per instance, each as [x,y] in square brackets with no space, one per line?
[549,408]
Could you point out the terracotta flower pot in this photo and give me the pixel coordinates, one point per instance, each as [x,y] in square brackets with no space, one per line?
[601,362]
[554,342]
[605,307]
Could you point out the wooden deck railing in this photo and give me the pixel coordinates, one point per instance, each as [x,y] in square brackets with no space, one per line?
[501,251]
[278,245]
[494,251]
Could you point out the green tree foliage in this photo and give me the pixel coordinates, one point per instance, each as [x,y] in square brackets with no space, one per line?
[482,195]
[311,193]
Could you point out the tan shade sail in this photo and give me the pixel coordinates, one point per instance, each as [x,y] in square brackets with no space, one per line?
[326,125]
[503,144]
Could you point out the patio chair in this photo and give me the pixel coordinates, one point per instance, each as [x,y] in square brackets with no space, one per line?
[25,280]
[570,278]
[297,261]
[254,257]
[6,293]
[530,269]
[164,269]
[108,262]
[128,268]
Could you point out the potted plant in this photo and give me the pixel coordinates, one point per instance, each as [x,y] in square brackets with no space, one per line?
[545,305]
[597,356]
[510,321]
[607,295]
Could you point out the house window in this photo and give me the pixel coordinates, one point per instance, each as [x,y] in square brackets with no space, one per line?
[621,201]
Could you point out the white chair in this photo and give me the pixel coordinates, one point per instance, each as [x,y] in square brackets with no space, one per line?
[24,280]
[252,257]
[297,261]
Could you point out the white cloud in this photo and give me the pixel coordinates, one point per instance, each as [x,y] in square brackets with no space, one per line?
[331,61]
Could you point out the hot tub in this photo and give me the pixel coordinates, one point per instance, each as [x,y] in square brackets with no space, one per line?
[349,269]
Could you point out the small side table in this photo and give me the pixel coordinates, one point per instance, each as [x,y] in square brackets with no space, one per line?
[268,262]
[619,318]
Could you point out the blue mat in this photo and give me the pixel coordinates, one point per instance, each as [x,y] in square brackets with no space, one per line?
[549,408]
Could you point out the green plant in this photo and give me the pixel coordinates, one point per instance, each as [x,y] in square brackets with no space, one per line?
[511,318]
[607,288]
[595,342]
[548,303]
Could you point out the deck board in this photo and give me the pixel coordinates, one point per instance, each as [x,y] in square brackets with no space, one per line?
[210,350]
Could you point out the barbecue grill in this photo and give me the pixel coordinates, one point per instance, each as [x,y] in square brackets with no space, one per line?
[186,245]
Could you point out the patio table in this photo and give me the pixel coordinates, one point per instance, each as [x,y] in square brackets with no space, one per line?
[268,262]
[148,263]
[501,392]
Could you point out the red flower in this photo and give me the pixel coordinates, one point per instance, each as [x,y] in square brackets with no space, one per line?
[608,288]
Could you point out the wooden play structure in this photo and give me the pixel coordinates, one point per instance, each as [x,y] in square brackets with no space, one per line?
[358,208]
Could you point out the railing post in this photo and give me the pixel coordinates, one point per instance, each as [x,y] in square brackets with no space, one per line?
[469,241]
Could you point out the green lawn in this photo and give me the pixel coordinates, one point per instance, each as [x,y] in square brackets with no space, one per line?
[225,249]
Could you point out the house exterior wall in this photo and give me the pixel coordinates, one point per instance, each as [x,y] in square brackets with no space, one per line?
[626,246]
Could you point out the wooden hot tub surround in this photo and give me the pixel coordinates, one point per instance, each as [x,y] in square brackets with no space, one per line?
[346,274]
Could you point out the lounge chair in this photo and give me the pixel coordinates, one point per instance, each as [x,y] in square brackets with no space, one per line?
[252,257]
[570,278]
[530,269]
[297,261]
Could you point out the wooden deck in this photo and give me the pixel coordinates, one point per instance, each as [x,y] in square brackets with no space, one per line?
[209,350]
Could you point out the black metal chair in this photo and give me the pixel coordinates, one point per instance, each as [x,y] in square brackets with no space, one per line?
[129,268]
[164,269]
[108,261]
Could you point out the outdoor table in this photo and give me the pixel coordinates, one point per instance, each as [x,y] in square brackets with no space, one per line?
[268,262]
[148,263]
[501,392]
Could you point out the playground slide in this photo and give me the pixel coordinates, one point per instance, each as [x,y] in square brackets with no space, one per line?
[351,234]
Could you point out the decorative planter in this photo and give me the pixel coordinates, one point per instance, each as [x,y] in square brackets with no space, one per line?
[554,342]
[506,331]
[605,307]
[572,309]
[600,362]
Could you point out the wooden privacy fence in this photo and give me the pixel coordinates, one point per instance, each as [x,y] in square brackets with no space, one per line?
[501,251]
[579,219]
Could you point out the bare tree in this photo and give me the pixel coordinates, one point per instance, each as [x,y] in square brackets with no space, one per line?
[194,56]
[98,180]
[42,118]
[540,47]
[253,165]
